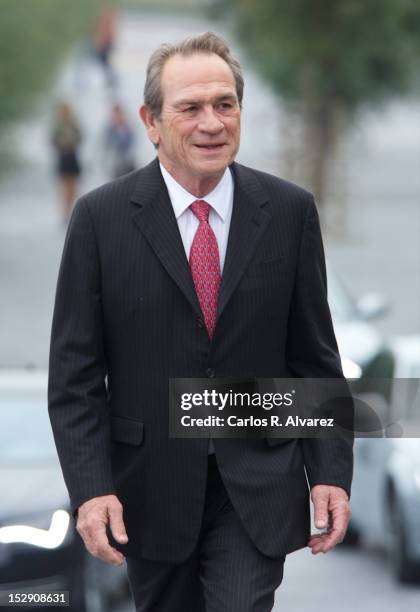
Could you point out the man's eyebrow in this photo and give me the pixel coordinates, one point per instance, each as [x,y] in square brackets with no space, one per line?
[192,102]
[226,97]
[186,102]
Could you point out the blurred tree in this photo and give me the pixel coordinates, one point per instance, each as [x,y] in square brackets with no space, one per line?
[329,58]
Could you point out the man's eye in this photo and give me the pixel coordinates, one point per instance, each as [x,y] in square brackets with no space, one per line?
[190,109]
[225,105]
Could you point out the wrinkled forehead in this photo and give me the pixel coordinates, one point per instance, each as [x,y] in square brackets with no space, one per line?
[201,74]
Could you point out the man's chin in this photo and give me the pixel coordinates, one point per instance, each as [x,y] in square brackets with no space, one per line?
[212,166]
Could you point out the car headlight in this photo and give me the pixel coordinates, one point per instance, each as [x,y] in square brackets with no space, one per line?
[351,369]
[49,538]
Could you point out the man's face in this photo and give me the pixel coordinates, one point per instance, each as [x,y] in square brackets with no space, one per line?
[198,131]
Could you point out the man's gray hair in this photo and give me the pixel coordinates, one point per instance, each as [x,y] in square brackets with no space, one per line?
[206,43]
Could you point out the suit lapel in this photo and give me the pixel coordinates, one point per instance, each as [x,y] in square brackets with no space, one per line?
[248,224]
[156,220]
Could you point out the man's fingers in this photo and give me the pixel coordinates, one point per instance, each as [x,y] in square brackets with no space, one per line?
[326,541]
[320,500]
[315,537]
[98,545]
[93,532]
[340,519]
[116,523]
[93,517]
[331,512]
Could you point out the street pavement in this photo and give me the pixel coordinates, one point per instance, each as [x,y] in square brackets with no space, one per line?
[380,249]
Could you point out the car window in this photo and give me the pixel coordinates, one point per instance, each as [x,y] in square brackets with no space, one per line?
[25,430]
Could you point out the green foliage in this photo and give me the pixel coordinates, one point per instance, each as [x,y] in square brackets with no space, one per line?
[34,36]
[164,6]
[350,51]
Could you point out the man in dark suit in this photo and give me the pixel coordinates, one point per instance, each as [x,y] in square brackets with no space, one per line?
[194,266]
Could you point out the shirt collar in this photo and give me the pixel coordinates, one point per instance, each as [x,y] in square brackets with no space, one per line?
[219,198]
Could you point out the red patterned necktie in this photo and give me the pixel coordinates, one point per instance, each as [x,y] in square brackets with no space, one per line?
[205,265]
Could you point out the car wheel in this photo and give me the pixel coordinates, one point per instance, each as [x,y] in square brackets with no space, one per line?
[404,567]
[88,593]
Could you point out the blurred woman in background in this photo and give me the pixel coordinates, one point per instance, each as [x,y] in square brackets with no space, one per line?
[66,139]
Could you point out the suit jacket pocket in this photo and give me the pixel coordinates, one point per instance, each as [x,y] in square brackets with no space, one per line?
[127,430]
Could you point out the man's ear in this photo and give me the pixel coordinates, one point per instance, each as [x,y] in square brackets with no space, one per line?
[150,123]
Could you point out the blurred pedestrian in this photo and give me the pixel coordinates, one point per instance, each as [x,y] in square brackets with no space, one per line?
[119,143]
[103,41]
[66,139]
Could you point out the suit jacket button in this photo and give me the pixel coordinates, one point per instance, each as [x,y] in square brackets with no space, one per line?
[200,323]
[210,372]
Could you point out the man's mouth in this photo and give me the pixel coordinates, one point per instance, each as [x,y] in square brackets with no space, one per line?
[211,147]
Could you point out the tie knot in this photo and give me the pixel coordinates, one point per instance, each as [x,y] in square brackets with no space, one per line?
[201,210]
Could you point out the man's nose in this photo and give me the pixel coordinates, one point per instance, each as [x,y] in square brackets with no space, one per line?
[210,122]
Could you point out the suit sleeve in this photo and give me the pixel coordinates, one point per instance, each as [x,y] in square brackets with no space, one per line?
[77,398]
[312,352]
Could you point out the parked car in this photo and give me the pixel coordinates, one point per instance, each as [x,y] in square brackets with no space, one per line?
[365,355]
[39,547]
[386,487]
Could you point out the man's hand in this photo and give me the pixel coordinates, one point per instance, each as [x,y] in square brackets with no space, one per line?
[92,519]
[332,511]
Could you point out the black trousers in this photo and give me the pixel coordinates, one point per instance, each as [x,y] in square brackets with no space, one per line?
[225,573]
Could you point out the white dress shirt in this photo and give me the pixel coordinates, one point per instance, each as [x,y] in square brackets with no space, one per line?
[221,205]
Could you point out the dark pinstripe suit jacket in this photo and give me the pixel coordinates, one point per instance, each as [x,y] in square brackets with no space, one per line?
[126,311]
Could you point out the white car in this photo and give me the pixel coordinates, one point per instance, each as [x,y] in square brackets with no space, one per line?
[39,547]
[386,487]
